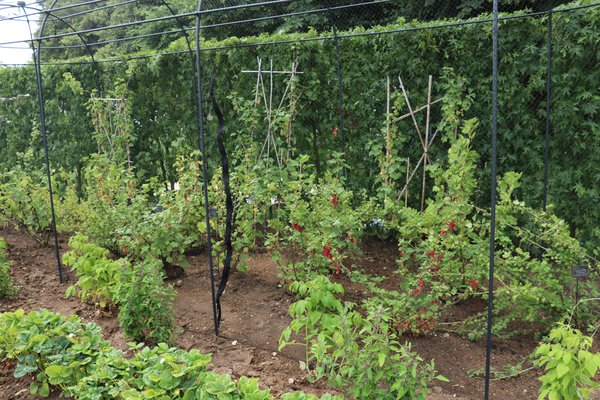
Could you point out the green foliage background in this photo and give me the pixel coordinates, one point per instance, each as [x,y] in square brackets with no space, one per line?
[160,94]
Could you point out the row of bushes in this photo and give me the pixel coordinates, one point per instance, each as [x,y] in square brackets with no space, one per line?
[313,226]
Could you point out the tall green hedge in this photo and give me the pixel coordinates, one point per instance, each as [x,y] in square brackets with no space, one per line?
[163,106]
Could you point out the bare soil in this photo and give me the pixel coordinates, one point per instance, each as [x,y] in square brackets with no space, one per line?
[254,313]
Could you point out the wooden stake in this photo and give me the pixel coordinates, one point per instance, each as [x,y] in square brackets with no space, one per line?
[407,172]
[410,178]
[425,155]
[400,118]
[412,114]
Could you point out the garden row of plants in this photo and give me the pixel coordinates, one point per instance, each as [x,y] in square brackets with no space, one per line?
[131,193]
[130,231]
[314,225]
[67,354]
[164,127]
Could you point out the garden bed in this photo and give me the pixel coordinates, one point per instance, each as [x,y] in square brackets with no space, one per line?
[254,314]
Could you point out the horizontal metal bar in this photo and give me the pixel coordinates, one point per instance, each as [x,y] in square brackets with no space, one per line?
[268,71]
[157,19]
[87,3]
[341,36]
[220,24]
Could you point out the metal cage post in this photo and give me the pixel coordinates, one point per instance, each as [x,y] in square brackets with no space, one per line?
[202,145]
[488,344]
[43,130]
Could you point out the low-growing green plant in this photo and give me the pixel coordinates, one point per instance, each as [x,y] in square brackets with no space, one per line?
[306,396]
[7,287]
[570,367]
[506,371]
[70,355]
[152,372]
[42,342]
[100,279]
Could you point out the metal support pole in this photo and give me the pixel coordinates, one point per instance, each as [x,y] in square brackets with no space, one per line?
[38,75]
[201,143]
[488,347]
[548,99]
[340,94]
[40,89]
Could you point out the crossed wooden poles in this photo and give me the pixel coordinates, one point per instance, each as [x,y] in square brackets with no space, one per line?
[425,139]
[270,142]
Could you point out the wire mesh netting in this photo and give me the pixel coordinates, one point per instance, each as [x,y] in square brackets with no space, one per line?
[371,82]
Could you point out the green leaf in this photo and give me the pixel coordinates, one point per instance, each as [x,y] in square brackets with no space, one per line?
[54,371]
[44,390]
[24,369]
[33,388]
[561,370]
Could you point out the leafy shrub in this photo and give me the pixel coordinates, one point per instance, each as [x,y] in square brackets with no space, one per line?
[156,235]
[380,367]
[447,247]
[100,279]
[317,313]
[146,308]
[145,303]
[122,218]
[308,225]
[569,365]
[7,288]
[360,355]
[111,201]
[70,213]
[24,202]
[316,227]
[415,308]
